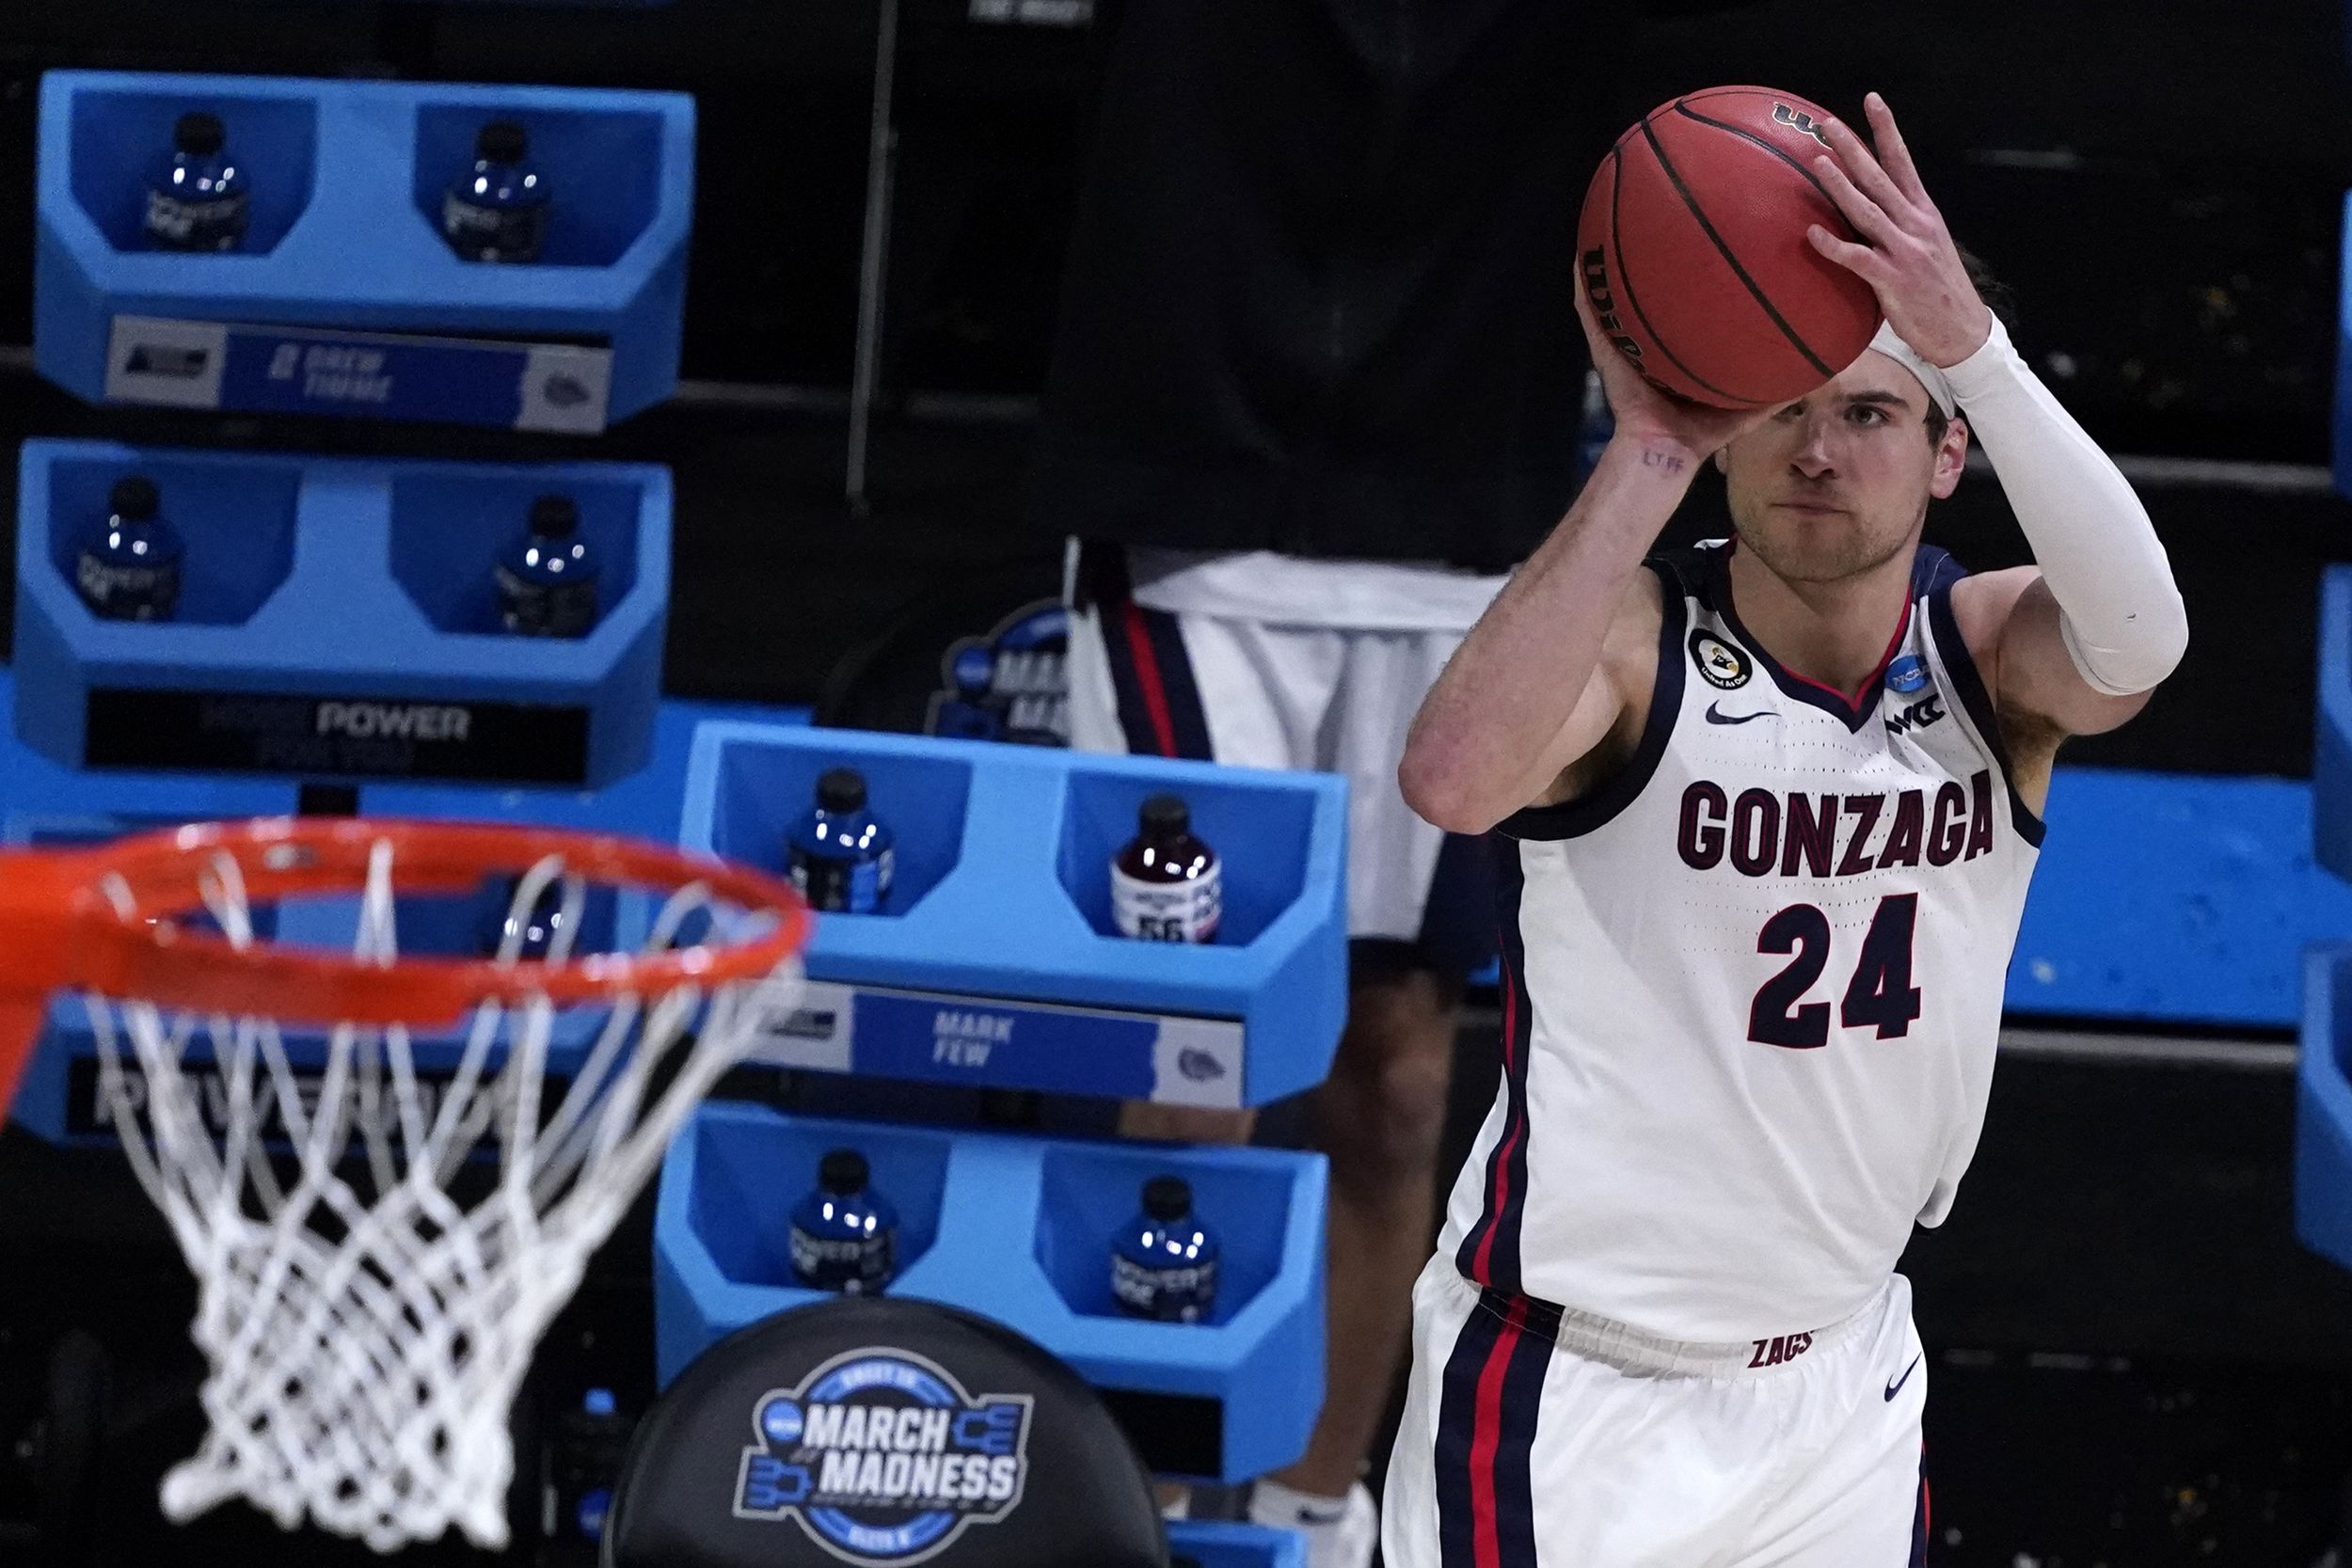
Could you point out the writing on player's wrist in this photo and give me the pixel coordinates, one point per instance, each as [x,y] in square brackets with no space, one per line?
[1656,453]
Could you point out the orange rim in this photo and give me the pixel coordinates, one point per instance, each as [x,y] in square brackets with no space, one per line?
[61,923]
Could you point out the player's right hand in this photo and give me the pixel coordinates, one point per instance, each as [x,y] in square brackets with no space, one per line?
[1647,416]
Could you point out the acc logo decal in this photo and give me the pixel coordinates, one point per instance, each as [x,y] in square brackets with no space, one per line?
[1797,120]
[1907,674]
[1725,667]
[882,1458]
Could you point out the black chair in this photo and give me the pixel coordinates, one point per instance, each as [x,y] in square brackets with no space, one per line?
[876,1432]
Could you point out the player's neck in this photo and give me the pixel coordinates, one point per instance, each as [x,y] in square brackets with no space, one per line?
[1834,633]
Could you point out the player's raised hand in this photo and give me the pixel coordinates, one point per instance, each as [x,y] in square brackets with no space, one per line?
[1909,259]
[1643,413]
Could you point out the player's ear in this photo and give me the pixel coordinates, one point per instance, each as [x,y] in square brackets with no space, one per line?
[1951,459]
[1721,466]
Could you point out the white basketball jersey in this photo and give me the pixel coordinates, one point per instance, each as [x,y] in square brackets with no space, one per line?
[1751,984]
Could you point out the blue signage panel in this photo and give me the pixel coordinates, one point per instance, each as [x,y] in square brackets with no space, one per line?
[992,1042]
[563,387]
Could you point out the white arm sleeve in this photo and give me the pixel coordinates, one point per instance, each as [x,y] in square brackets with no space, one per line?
[2119,610]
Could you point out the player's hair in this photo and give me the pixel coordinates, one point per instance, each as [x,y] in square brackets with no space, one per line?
[2001,300]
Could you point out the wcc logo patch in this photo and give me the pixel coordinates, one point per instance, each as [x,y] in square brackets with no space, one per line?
[882,1458]
[1721,666]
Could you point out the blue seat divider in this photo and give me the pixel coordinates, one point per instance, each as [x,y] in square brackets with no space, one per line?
[2323,1113]
[1216,1544]
[337,618]
[2331,742]
[344,299]
[1020,1228]
[2174,898]
[996,963]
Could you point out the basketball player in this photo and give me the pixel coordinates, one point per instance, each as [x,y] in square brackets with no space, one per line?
[1766,812]
[1315,390]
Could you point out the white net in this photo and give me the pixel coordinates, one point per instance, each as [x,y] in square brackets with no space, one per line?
[371,1285]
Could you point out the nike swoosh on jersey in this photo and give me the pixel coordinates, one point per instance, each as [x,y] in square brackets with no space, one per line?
[1895,1386]
[1716,716]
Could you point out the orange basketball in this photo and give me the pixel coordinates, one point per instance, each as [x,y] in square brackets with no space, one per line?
[1692,247]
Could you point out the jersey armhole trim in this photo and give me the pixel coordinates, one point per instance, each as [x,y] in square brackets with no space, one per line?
[1952,649]
[1577,817]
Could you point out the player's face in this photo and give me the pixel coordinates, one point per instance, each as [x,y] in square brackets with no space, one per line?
[1837,483]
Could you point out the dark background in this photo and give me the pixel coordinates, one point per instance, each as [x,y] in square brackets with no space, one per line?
[2133,1362]
[2162,182]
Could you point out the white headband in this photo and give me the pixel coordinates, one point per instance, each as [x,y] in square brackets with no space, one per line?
[1939,385]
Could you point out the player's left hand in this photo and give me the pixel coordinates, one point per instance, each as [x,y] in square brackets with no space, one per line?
[1910,260]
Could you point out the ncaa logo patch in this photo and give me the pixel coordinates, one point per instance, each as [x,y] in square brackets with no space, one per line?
[1907,674]
[1723,666]
[882,1458]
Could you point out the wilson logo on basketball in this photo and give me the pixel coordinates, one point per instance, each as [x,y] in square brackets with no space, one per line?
[1797,120]
[1605,303]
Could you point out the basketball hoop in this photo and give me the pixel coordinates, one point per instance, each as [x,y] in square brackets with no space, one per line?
[367,1317]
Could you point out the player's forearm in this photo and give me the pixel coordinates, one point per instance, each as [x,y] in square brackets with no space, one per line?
[2122,613]
[1481,741]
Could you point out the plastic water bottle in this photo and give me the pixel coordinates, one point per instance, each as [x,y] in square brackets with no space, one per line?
[497,210]
[546,579]
[200,199]
[128,566]
[842,859]
[1166,884]
[1164,1263]
[844,1235]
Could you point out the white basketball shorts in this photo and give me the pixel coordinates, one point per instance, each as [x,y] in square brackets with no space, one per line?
[1538,1438]
[1250,693]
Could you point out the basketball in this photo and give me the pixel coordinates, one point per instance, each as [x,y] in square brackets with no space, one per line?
[1691,247]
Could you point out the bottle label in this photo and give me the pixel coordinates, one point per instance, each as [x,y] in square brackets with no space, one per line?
[1179,1295]
[485,233]
[843,886]
[1168,911]
[532,608]
[852,1265]
[127,593]
[215,223]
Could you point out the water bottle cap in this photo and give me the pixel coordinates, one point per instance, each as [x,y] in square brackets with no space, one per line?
[841,789]
[1165,813]
[501,141]
[1168,1197]
[133,499]
[554,516]
[197,135]
[842,1172]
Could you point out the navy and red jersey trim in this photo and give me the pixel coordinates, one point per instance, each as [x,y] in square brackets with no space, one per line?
[1159,701]
[1854,711]
[1489,1252]
[1581,816]
[1944,626]
[1491,1395]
